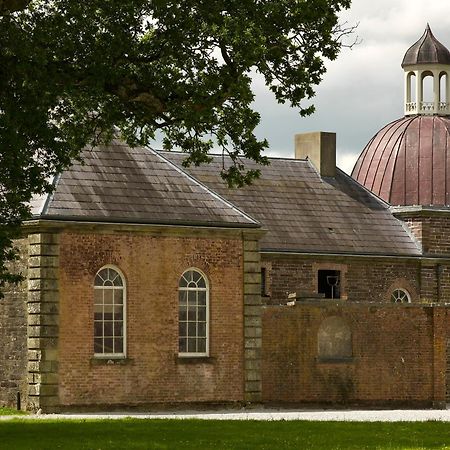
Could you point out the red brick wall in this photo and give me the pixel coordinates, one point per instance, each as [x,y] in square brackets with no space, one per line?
[398,355]
[368,279]
[432,231]
[152,267]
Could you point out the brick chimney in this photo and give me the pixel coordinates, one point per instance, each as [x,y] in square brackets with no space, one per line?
[320,148]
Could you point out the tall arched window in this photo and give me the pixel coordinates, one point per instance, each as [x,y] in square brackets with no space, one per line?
[109,313]
[193,304]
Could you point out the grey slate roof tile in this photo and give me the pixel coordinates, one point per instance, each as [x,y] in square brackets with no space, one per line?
[306,213]
[117,183]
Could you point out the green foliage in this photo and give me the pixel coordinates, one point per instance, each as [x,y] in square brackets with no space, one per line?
[73,72]
[217,434]
[11,412]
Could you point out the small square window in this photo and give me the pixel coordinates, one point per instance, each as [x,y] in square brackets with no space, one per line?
[329,283]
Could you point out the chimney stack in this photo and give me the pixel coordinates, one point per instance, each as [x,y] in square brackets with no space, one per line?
[320,148]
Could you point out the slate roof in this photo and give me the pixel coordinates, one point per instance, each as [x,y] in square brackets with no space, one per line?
[427,50]
[306,213]
[135,185]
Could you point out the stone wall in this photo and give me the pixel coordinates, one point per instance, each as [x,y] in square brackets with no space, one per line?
[152,372]
[13,334]
[371,279]
[398,354]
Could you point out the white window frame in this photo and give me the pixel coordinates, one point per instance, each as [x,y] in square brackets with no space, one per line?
[121,355]
[394,298]
[206,289]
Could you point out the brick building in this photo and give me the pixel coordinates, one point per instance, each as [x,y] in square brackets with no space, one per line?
[151,284]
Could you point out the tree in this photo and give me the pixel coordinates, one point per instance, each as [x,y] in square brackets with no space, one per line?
[72,72]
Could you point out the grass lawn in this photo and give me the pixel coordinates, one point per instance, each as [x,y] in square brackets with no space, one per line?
[215,434]
[10,412]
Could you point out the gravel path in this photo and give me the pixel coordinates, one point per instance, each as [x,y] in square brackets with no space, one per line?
[266,414]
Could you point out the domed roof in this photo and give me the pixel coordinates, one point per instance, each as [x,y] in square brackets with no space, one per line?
[408,162]
[427,50]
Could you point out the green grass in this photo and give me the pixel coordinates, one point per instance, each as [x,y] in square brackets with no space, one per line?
[213,434]
[10,412]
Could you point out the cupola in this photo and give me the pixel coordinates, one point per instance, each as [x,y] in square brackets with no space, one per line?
[407,163]
[427,68]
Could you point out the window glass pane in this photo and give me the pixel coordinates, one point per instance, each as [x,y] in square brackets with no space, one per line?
[108,345]
[118,296]
[192,310]
[192,329]
[192,298]
[182,329]
[183,314]
[192,348]
[108,312]
[98,312]
[201,345]
[118,312]
[201,329]
[98,329]
[108,296]
[182,345]
[202,298]
[202,314]
[118,329]
[98,345]
[201,282]
[101,277]
[196,276]
[118,345]
[182,297]
[98,296]
[108,328]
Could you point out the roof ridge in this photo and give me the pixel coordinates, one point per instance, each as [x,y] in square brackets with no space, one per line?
[283,158]
[203,186]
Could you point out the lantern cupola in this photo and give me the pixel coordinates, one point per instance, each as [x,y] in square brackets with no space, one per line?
[427,68]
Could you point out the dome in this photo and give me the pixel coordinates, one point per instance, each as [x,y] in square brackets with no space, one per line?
[408,162]
[427,50]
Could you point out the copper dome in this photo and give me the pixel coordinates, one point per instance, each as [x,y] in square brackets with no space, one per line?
[408,162]
[427,50]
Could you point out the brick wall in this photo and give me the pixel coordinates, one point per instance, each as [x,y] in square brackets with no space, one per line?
[152,373]
[398,357]
[432,231]
[13,334]
[371,279]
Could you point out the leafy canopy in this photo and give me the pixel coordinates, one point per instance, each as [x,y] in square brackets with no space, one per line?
[72,72]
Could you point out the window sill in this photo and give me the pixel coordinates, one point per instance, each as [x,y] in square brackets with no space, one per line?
[111,361]
[194,359]
[343,360]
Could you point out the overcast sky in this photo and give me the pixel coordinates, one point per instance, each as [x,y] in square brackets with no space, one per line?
[363,89]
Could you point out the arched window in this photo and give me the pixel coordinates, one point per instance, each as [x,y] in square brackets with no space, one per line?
[427,92]
[334,339]
[411,88]
[400,296]
[193,304]
[109,312]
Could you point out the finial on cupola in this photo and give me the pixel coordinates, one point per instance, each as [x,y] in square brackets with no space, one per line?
[427,58]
